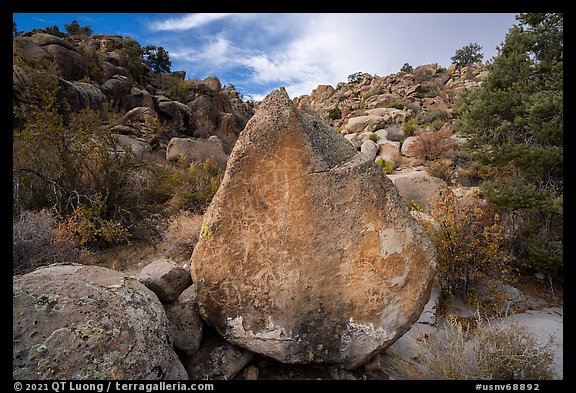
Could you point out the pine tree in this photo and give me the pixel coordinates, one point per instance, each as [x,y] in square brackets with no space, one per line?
[467,55]
[157,58]
[515,125]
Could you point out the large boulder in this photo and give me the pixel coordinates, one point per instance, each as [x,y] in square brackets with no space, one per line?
[295,263]
[89,322]
[197,150]
[27,49]
[80,95]
[366,123]
[418,187]
[68,64]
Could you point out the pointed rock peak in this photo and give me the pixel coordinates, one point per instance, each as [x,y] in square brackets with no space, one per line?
[279,122]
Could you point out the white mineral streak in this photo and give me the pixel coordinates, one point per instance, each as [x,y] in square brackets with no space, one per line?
[269,342]
[359,340]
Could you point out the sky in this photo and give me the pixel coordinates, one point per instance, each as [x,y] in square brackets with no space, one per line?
[259,52]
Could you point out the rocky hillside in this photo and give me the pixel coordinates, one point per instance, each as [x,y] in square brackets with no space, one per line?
[104,74]
[396,108]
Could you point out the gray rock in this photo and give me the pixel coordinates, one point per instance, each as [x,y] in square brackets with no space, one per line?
[185,322]
[197,150]
[216,359]
[68,63]
[502,299]
[367,123]
[354,140]
[44,39]
[125,142]
[369,148]
[83,96]
[88,322]
[165,278]
[407,149]
[27,49]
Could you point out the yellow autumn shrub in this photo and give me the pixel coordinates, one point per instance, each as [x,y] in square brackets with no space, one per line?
[469,240]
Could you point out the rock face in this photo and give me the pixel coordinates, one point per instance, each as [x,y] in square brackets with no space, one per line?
[88,322]
[306,253]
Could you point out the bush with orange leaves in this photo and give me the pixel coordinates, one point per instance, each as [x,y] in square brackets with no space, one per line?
[469,240]
[432,145]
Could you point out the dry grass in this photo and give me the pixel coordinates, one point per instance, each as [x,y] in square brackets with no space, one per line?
[181,235]
[479,349]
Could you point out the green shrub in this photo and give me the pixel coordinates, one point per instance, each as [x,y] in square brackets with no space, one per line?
[54,30]
[74,28]
[398,104]
[467,55]
[334,113]
[131,57]
[357,77]
[410,127]
[94,228]
[386,165]
[197,185]
[374,137]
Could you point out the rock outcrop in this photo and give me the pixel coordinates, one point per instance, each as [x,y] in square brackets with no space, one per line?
[88,322]
[306,253]
[90,75]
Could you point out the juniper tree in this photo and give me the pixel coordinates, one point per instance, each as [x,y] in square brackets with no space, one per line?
[515,125]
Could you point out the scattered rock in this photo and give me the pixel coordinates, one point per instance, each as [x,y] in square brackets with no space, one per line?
[369,148]
[185,322]
[165,278]
[89,322]
[296,264]
[367,123]
[354,140]
[407,148]
[216,359]
[197,150]
[417,187]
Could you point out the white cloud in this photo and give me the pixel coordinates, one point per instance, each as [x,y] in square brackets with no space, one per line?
[188,22]
[301,51]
